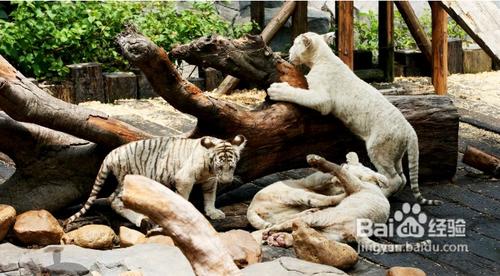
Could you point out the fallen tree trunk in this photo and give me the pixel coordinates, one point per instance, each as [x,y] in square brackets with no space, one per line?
[189,229]
[280,135]
[482,161]
[53,169]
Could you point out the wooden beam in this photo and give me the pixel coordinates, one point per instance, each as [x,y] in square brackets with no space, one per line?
[345,31]
[230,82]
[257,15]
[439,48]
[386,39]
[416,30]
[299,19]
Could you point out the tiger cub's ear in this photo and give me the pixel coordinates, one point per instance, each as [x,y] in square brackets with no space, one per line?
[207,142]
[239,141]
[307,41]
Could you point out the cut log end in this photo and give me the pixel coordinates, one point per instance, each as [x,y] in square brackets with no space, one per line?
[482,161]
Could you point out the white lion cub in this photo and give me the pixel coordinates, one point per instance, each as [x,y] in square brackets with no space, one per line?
[335,89]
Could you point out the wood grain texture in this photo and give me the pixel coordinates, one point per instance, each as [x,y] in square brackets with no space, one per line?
[439,48]
[481,21]
[180,220]
[345,31]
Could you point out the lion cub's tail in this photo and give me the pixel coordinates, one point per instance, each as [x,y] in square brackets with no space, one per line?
[368,244]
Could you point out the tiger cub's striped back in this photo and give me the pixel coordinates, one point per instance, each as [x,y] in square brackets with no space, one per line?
[174,162]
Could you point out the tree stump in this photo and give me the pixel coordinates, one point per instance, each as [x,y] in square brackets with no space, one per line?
[120,85]
[87,82]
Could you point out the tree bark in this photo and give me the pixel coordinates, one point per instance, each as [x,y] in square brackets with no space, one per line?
[280,135]
[189,229]
[481,160]
[53,169]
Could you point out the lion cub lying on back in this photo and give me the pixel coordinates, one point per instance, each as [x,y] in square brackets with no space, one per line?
[364,200]
[289,199]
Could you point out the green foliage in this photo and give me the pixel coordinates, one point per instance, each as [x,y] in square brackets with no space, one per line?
[366,32]
[42,37]
[366,29]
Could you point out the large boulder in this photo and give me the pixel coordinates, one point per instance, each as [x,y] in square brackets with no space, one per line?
[286,266]
[242,247]
[7,218]
[148,259]
[310,245]
[37,227]
[91,236]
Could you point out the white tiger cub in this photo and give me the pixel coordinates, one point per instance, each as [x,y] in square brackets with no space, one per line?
[174,162]
[364,200]
[335,89]
[293,198]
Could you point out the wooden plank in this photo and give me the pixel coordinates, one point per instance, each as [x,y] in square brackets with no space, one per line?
[439,48]
[257,15]
[299,19]
[455,56]
[416,29]
[386,39]
[120,85]
[345,31]
[481,21]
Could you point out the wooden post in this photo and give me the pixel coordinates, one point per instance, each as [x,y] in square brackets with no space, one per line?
[120,85]
[87,82]
[439,48]
[416,30]
[345,31]
[257,15]
[386,39]
[299,19]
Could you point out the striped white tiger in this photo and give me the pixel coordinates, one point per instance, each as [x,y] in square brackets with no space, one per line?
[335,89]
[174,162]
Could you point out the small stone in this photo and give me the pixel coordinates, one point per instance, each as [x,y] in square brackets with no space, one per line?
[405,271]
[93,236]
[129,237]
[160,239]
[37,227]
[131,273]
[310,245]
[242,247]
[7,218]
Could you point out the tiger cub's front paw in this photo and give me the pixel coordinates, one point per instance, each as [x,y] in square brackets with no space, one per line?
[215,214]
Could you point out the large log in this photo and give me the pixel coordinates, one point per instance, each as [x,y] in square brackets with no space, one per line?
[189,229]
[280,135]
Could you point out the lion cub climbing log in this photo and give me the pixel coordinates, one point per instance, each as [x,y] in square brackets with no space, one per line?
[335,89]
[174,162]
[364,200]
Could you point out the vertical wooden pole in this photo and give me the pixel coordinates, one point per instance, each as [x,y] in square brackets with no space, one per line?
[345,31]
[299,19]
[257,15]
[439,48]
[386,39]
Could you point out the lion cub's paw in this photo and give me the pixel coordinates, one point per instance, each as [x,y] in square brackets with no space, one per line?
[313,159]
[280,239]
[215,214]
[278,91]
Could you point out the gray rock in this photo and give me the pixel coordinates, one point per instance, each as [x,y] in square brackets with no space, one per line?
[286,266]
[150,259]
